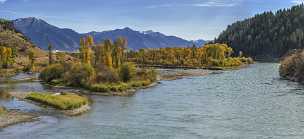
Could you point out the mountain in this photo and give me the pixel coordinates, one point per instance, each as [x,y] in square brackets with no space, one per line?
[40,32]
[146,39]
[268,35]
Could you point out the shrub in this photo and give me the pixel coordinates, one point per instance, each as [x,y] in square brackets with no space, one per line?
[213,62]
[80,75]
[65,101]
[52,72]
[127,72]
[292,67]
[232,62]
[104,74]
[146,74]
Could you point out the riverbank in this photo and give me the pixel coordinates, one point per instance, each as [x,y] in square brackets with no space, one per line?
[12,117]
[174,74]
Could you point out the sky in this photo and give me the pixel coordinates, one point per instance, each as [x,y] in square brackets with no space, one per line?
[189,19]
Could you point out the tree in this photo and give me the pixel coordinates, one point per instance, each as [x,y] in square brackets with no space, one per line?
[108,60]
[127,71]
[50,48]
[31,57]
[6,56]
[85,50]
[268,35]
[210,54]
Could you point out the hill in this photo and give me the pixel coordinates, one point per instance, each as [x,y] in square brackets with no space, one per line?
[40,32]
[268,35]
[20,45]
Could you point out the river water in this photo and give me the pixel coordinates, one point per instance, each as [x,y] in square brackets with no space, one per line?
[251,103]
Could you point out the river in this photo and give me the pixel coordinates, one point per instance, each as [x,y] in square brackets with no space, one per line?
[251,103]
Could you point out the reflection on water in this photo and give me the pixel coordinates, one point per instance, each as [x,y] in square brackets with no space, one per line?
[251,103]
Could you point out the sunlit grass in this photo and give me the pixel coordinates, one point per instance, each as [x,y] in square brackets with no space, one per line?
[117,87]
[64,101]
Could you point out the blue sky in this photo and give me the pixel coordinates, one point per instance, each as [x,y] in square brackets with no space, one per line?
[189,19]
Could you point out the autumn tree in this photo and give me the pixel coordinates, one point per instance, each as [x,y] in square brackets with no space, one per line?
[208,55]
[6,56]
[107,56]
[50,48]
[85,49]
[31,57]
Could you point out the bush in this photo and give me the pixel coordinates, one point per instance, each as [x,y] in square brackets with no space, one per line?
[105,74]
[213,62]
[146,74]
[292,67]
[80,75]
[127,72]
[232,62]
[52,72]
[65,101]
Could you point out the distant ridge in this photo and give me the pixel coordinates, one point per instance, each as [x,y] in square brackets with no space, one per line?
[40,32]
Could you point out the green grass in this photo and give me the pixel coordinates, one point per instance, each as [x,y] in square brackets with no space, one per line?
[66,101]
[117,87]
[108,87]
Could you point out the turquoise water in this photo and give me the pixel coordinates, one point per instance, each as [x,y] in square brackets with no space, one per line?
[251,103]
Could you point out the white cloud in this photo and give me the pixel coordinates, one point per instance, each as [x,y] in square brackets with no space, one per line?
[297,1]
[210,3]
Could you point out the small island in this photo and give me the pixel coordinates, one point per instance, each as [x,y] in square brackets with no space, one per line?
[69,103]
[101,68]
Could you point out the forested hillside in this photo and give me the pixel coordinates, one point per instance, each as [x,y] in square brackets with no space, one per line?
[268,35]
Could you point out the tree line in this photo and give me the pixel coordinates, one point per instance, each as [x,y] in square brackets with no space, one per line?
[205,56]
[268,35]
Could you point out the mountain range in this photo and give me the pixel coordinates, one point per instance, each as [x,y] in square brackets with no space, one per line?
[41,33]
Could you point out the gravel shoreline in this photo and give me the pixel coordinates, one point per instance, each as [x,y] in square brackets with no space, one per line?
[12,117]
[174,74]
